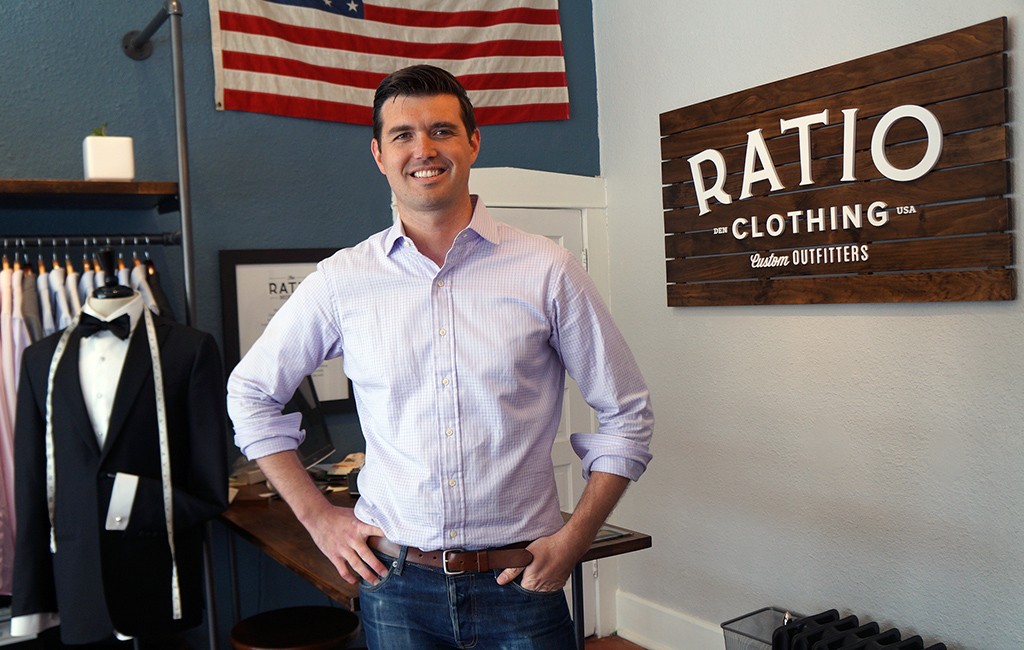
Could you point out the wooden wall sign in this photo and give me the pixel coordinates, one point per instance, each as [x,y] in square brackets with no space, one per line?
[882,179]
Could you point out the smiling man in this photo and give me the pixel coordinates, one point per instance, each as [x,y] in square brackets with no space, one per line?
[457,331]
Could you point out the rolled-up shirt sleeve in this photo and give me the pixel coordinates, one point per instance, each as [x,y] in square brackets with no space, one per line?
[596,355]
[301,335]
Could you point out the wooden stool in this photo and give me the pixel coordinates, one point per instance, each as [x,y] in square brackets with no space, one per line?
[296,628]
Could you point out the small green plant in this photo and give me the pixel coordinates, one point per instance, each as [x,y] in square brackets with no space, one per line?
[100,130]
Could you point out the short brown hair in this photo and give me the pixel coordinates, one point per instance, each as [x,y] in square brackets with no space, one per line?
[421,81]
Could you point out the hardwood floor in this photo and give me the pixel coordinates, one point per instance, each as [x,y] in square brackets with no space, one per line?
[610,643]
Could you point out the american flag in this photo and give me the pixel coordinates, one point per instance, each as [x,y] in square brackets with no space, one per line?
[323,59]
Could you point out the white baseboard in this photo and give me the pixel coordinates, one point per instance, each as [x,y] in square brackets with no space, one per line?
[658,628]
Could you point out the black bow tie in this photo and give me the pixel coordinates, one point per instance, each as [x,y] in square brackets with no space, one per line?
[120,326]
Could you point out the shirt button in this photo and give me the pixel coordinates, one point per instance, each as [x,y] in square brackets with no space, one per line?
[445,381]
[442,331]
[449,432]
[453,534]
[451,482]
[440,283]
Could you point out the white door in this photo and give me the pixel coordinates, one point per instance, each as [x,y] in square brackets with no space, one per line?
[564,227]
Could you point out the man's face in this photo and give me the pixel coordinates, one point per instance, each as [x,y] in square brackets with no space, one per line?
[425,152]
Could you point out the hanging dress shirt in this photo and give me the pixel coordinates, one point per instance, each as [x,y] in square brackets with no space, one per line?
[71,291]
[139,283]
[58,289]
[7,518]
[45,301]
[86,284]
[22,336]
[30,304]
[7,339]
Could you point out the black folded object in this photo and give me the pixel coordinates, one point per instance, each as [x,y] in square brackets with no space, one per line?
[839,639]
[807,638]
[887,639]
[782,638]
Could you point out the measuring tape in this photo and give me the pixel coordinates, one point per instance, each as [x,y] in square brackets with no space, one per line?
[165,451]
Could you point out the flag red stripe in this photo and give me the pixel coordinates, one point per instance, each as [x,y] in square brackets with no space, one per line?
[317,109]
[316,37]
[369,80]
[500,80]
[301,70]
[242,100]
[419,18]
[486,115]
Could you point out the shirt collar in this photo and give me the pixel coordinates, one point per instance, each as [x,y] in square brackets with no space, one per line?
[482,223]
[133,308]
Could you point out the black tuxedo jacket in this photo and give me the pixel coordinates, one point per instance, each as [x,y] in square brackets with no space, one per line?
[100,580]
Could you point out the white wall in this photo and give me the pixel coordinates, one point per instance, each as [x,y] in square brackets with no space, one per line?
[864,457]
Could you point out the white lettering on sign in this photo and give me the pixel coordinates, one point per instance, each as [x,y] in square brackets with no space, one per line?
[844,217]
[758,164]
[844,254]
[803,127]
[931,154]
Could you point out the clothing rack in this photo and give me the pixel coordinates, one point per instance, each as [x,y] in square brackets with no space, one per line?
[91,241]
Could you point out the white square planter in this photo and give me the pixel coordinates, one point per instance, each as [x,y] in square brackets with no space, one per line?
[108,158]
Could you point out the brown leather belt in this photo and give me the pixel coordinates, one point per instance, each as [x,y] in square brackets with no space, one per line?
[455,560]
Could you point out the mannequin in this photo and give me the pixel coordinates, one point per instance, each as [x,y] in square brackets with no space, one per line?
[107,306]
[108,568]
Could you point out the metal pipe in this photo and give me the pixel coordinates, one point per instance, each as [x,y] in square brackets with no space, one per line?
[142,37]
[136,44]
[184,188]
[191,315]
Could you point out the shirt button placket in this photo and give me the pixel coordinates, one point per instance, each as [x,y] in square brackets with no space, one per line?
[445,364]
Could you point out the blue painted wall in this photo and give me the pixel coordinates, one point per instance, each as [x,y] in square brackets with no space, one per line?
[258,181]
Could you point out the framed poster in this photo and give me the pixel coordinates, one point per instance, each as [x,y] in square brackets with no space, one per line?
[254,285]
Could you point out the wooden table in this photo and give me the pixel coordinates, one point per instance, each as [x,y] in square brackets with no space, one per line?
[271,526]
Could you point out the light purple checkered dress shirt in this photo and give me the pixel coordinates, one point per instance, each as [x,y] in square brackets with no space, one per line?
[458,376]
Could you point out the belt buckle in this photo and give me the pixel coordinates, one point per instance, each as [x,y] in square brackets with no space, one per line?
[444,561]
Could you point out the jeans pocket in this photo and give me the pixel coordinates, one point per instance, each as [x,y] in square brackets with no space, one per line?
[517,584]
[367,587]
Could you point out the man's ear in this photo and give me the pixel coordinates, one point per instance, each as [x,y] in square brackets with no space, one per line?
[375,150]
[474,142]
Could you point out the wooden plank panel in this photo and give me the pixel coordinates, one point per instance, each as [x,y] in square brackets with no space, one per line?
[958,184]
[971,77]
[990,179]
[968,43]
[945,235]
[974,217]
[915,255]
[952,286]
[986,145]
[963,114]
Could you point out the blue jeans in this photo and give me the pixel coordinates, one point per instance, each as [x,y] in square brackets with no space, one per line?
[418,608]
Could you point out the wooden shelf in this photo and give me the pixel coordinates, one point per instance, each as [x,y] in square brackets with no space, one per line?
[27,194]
